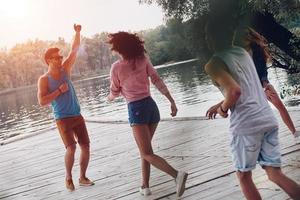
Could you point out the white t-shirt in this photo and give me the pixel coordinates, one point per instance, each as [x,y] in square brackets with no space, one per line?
[252,113]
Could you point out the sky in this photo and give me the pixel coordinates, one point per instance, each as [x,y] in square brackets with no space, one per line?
[21,20]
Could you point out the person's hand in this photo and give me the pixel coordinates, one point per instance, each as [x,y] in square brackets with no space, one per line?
[77,27]
[212,112]
[173,109]
[271,93]
[109,98]
[270,87]
[64,87]
[297,137]
[221,113]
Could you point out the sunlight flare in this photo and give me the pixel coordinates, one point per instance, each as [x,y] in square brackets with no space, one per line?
[16,9]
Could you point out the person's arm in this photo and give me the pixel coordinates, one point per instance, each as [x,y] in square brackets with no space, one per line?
[115,87]
[260,65]
[68,63]
[174,109]
[44,97]
[155,78]
[212,111]
[160,85]
[216,69]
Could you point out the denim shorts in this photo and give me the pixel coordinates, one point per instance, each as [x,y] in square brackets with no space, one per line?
[144,111]
[262,148]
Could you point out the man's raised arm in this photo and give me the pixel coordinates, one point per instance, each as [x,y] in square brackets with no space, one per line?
[68,63]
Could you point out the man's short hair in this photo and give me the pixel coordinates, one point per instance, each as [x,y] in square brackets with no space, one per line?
[49,53]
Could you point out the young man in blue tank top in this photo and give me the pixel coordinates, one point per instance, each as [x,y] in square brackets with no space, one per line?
[253,126]
[56,88]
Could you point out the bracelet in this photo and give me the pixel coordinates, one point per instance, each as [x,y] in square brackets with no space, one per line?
[222,109]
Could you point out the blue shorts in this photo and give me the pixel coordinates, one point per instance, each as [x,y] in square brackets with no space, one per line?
[144,111]
[262,148]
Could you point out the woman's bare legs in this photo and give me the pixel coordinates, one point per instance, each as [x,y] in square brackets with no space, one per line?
[145,164]
[143,135]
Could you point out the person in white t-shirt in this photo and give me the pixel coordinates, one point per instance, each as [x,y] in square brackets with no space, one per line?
[253,125]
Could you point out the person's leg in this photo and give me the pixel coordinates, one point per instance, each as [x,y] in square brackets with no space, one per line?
[247,186]
[273,97]
[245,151]
[81,133]
[67,135]
[69,160]
[145,164]
[143,140]
[289,186]
[84,159]
[270,160]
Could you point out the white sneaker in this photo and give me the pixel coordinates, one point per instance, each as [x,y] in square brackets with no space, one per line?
[297,137]
[180,182]
[145,191]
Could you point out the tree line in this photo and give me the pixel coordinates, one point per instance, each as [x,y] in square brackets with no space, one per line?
[181,38]
[24,63]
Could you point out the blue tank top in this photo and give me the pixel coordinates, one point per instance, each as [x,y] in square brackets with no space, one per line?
[66,104]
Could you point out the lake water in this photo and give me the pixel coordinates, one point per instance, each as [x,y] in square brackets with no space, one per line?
[20,113]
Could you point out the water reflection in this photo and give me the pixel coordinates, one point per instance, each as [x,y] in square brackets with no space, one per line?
[190,86]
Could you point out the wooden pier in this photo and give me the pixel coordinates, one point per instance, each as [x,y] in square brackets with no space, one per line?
[33,168]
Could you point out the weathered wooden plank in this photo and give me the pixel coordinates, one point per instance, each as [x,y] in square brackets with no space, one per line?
[34,167]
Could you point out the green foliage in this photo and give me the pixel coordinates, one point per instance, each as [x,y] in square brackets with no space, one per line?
[292,88]
[236,12]
[187,9]
[183,9]
[168,43]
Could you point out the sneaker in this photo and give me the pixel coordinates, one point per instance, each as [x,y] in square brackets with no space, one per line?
[69,185]
[180,182]
[297,137]
[85,182]
[145,191]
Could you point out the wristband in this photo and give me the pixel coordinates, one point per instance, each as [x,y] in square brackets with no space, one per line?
[222,109]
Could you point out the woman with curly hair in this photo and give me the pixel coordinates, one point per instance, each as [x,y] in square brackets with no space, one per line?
[257,46]
[129,77]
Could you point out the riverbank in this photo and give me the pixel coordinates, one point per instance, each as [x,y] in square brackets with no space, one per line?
[75,78]
[78,78]
[33,168]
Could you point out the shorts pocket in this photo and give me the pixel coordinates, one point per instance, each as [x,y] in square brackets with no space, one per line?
[272,139]
[62,127]
[136,110]
[251,144]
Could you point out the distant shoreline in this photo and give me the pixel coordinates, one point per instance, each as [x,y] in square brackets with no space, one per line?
[13,90]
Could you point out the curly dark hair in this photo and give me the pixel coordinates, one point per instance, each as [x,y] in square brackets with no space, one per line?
[129,45]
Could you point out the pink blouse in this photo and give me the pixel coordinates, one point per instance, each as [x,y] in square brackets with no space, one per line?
[131,79]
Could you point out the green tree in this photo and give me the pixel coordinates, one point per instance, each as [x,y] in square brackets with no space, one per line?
[168,43]
[264,15]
